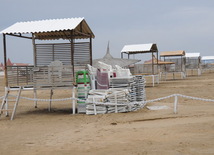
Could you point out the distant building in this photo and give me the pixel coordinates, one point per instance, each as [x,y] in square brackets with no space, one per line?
[9,63]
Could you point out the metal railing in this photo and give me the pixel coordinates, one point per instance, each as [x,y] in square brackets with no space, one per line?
[42,76]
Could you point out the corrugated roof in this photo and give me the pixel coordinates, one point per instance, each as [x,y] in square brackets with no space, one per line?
[207,57]
[139,48]
[49,27]
[173,53]
[192,55]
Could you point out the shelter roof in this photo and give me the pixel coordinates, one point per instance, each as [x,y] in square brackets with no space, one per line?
[139,48]
[110,60]
[207,57]
[172,53]
[52,28]
[192,55]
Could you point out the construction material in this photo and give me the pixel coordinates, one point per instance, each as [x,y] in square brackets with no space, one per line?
[122,92]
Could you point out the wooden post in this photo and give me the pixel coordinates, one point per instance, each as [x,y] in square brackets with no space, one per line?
[157,60]
[72,54]
[175,104]
[5,61]
[53,52]
[181,64]
[90,50]
[73,101]
[34,50]
[152,64]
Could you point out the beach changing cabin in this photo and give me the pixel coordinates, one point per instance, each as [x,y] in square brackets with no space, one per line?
[55,63]
[178,57]
[148,70]
[207,63]
[193,64]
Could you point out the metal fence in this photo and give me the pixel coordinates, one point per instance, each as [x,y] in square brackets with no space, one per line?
[144,69]
[20,75]
[38,77]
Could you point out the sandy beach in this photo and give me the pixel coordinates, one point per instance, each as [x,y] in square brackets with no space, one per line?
[35,131]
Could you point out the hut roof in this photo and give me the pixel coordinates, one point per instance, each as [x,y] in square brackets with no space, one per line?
[192,55]
[52,29]
[139,48]
[207,58]
[110,60]
[172,53]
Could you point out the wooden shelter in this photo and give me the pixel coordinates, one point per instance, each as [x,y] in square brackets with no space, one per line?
[55,64]
[148,70]
[72,55]
[207,63]
[178,57]
[142,49]
[193,63]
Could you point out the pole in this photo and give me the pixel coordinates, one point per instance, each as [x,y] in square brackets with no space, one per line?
[72,54]
[175,104]
[5,61]
[34,50]
[152,64]
[90,50]
[73,102]
[157,61]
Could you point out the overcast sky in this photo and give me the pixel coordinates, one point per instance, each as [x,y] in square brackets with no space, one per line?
[171,24]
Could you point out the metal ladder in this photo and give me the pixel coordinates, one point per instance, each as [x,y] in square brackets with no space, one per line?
[4,105]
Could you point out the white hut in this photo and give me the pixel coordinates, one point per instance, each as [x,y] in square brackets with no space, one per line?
[178,57]
[148,70]
[207,63]
[193,63]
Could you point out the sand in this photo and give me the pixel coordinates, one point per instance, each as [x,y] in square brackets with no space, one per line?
[144,132]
